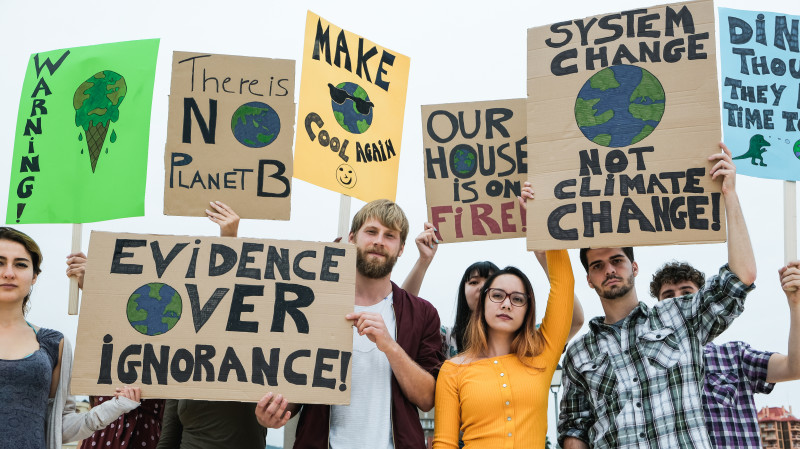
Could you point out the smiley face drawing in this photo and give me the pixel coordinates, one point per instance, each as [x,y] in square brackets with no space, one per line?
[346,176]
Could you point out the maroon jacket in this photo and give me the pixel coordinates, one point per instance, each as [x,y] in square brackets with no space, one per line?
[418,335]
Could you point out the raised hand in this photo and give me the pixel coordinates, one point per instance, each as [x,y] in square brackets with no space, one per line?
[225,217]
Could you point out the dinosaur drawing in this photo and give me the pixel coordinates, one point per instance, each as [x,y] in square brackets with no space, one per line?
[756,151]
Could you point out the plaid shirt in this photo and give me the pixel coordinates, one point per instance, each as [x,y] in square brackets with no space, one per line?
[734,371]
[640,386]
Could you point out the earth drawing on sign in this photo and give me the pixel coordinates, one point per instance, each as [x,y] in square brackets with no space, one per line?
[351,107]
[463,160]
[154,308]
[255,124]
[619,106]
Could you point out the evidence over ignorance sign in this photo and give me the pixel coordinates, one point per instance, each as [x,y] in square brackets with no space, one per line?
[216,318]
[621,120]
[475,159]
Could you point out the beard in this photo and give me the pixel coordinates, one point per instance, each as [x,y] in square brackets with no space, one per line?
[616,291]
[374,269]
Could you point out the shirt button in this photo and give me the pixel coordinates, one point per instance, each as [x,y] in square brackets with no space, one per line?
[504,385]
[502,374]
[627,351]
[639,404]
[509,433]
[508,403]
[509,418]
[641,435]
[635,379]
[495,362]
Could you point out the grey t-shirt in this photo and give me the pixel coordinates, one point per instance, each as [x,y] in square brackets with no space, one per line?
[24,390]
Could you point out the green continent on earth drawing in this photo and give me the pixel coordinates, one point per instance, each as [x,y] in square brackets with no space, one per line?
[96,102]
[347,113]
[154,308]
[255,124]
[619,106]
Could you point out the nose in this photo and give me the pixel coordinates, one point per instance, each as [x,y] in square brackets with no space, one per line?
[506,304]
[7,272]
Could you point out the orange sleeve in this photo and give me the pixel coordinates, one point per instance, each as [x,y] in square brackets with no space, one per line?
[558,315]
[447,423]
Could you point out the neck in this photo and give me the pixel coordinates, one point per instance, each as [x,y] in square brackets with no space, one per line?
[617,309]
[371,291]
[498,344]
[11,314]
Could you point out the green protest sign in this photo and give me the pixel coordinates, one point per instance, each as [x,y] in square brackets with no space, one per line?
[80,146]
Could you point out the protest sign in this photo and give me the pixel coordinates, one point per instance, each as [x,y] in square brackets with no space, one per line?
[216,318]
[80,146]
[229,135]
[475,163]
[761,92]
[620,126]
[352,100]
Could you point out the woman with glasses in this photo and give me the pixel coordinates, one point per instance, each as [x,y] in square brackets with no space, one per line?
[496,391]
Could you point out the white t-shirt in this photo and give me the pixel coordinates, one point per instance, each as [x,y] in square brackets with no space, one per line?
[367,421]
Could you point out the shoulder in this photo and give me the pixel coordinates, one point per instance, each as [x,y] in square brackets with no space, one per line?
[417,305]
[460,359]
[50,340]
[49,335]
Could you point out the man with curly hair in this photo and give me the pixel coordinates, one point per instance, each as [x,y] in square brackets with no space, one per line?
[734,370]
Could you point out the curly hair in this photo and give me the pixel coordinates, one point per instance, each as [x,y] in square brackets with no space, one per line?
[674,273]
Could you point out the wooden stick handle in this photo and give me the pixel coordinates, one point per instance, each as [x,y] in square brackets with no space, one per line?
[77,231]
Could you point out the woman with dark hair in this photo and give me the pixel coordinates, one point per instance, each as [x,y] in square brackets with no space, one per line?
[496,391]
[470,285]
[469,289]
[36,411]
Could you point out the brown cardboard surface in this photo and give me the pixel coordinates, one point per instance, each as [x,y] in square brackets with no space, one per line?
[477,201]
[687,133]
[250,175]
[209,352]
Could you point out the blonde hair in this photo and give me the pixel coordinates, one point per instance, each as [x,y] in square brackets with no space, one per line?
[387,212]
[528,341]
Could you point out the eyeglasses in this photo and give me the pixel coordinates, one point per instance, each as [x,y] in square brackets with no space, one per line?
[339,96]
[499,295]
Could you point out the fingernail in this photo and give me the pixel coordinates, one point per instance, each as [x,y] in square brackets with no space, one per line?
[435,229]
[436,240]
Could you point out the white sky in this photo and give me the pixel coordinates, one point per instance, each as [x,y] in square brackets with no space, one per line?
[460,51]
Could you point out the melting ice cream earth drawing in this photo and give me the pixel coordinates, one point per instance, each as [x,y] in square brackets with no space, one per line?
[96,102]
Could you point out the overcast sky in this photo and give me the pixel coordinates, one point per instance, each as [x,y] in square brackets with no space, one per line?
[460,51]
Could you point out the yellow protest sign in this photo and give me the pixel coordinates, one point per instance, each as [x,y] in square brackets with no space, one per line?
[350,119]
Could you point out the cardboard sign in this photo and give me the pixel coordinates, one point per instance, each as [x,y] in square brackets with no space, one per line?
[475,160]
[80,147]
[761,92]
[352,100]
[621,122]
[229,136]
[216,318]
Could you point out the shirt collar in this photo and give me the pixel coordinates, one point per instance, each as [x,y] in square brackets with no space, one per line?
[596,324]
